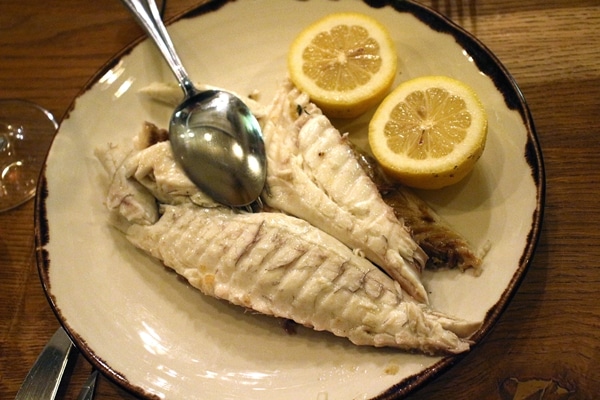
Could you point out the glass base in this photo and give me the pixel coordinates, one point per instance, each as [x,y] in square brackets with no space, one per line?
[26,132]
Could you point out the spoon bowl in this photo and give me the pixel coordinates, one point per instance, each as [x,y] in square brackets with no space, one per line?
[217,139]
[214,136]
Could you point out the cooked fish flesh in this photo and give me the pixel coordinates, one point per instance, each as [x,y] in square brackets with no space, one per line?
[312,173]
[171,94]
[126,196]
[146,175]
[444,246]
[282,266]
[271,262]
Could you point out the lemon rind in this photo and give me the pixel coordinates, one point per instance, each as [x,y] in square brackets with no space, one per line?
[354,102]
[431,173]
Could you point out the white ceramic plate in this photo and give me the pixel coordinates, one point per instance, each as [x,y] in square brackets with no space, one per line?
[156,336]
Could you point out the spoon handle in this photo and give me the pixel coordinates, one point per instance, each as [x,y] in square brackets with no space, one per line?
[147,15]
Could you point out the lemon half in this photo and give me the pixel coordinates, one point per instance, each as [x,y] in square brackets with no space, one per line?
[345,62]
[429,132]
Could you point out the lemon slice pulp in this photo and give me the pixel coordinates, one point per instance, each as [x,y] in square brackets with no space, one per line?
[345,62]
[429,132]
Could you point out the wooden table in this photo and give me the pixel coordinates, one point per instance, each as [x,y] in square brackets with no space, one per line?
[548,338]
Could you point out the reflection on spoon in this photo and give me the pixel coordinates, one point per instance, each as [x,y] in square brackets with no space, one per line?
[214,136]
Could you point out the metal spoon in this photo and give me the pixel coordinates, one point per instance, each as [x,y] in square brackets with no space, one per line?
[214,136]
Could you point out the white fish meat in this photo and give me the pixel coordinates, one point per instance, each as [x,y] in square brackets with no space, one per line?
[282,266]
[171,94]
[145,175]
[314,175]
[444,247]
[270,262]
[126,197]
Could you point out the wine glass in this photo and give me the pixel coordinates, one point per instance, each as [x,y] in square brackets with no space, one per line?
[26,132]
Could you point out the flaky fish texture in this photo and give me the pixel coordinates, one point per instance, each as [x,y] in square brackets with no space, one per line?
[270,262]
[171,94]
[282,266]
[314,175]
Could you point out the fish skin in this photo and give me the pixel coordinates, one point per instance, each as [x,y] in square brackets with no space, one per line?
[172,95]
[126,197]
[282,266]
[446,248]
[314,175]
[145,175]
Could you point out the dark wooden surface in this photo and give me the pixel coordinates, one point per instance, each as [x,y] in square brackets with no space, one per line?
[546,344]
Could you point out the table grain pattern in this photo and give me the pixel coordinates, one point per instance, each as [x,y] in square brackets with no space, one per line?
[546,345]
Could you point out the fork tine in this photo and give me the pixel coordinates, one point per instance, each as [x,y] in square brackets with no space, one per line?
[256,206]
[89,387]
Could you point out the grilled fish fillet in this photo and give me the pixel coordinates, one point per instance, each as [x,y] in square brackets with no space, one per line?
[314,175]
[444,246]
[171,94]
[282,266]
[270,262]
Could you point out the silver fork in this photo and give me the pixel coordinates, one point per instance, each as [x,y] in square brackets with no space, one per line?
[50,369]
